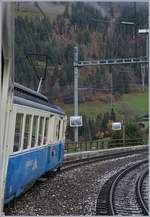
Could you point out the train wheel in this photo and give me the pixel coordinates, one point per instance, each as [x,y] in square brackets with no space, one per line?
[11,203]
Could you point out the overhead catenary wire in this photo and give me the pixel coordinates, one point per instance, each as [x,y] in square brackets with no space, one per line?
[115,88]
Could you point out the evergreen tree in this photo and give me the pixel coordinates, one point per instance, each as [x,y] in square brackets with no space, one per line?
[132,131]
[112,115]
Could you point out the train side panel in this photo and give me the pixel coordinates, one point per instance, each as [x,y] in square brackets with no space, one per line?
[27,166]
[37,135]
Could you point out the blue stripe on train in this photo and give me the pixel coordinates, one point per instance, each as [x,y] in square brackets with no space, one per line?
[25,167]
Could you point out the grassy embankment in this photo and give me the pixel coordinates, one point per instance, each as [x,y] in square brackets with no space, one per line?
[137,103]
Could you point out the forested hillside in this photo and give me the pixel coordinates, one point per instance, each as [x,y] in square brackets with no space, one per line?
[96,29]
[54,29]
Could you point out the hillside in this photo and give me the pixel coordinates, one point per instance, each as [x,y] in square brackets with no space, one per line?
[53,29]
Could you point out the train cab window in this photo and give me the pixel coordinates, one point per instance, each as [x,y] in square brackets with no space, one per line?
[46,130]
[27,131]
[34,130]
[18,132]
[40,135]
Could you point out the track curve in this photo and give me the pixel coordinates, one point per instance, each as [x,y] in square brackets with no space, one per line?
[107,204]
[142,196]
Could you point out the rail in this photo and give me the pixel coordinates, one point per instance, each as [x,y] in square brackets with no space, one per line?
[105,201]
[139,193]
[115,183]
[102,144]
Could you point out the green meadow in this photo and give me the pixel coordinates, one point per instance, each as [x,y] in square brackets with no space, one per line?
[137,103]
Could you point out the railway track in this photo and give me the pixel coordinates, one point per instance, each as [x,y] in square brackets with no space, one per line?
[117,196]
[142,192]
[68,165]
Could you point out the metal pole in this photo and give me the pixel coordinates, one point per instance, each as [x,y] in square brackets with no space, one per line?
[145,67]
[39,86]
[111,88]
[123,128]
[135,34]
[143,76]
[147,44]
[147,50]
[76,93]
[135,29]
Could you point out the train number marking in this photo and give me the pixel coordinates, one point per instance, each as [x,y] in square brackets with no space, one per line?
[32,164]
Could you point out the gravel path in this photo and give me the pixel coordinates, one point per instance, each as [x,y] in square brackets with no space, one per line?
[73,192]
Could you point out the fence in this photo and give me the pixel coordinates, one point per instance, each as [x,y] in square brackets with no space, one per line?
[103,144]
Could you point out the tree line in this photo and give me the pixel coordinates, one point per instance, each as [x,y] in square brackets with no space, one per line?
[101,127]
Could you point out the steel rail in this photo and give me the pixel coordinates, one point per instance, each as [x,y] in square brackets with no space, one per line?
[116,181]
[68,165]
[140,197]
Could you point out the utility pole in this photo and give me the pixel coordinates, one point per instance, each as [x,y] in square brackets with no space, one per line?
[76,93]
[145,31]
[143,66]
[147,49]
[135,29]
[111,88]
[124,133]
[143,76]
[135,33]
[147,44]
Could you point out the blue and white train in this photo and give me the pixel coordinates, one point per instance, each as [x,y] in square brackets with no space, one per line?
[37,134]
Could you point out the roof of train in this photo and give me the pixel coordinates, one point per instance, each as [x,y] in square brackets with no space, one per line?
[29,97]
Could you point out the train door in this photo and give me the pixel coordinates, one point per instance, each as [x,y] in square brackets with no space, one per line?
[55,146]
[50,152]
[61,139]
[58,135]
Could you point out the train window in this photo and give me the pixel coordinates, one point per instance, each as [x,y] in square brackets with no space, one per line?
[18,132]
[46,130]
[34,131]
[27,131]
[40,130]
[58,129]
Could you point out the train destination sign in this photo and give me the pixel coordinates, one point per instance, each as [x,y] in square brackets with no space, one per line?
[76,121]
[116,126]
